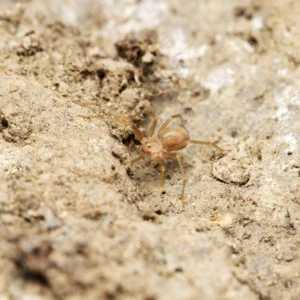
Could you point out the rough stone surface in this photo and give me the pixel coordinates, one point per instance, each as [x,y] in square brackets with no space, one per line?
[76,222]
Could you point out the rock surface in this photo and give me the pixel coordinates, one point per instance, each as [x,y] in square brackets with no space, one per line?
[76,222]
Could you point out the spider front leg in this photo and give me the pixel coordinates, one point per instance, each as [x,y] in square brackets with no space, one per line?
[116,118]
[169,120]
[183,177]
[163,172]
[136,160]
[178,158]
[152,128]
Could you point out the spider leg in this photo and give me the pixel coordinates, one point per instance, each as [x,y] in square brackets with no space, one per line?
[150,113]
[183,177]
[177,156]
[136,160]
[206,143]
[112,111]
[185,143]
[163,172]
[119,119]
[121,122]
[169,120]
[87,103]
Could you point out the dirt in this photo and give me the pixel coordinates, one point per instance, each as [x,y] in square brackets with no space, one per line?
[77,222]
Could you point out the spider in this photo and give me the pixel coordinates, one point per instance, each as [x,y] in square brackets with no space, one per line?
[166,143]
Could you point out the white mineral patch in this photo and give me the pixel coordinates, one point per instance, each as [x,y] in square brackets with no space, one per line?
[219,78]
[257,23]
[137,16]
[69,15]
[281,100]
[282,72]
[291,140]
[285,116]
[177,47]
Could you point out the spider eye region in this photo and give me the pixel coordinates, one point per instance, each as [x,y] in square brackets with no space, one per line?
[153,145]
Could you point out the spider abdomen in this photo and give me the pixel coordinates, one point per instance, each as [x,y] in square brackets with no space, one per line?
[173,136]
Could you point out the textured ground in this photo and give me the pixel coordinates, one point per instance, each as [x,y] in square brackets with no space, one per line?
[77,222]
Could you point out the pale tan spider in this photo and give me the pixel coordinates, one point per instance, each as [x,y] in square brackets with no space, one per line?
[168,140]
